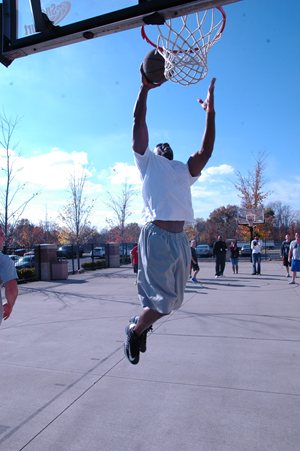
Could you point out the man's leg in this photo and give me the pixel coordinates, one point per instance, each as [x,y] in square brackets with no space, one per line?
[136,333]
[258,263]
[223,262]
[254,263]
[217,265]
[195,274]
[146,319]
[293,277]
[161,282]
[143,336]
[287,267]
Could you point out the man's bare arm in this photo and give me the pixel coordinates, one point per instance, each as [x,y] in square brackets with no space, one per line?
[140,136]
[199,159]
[11,293]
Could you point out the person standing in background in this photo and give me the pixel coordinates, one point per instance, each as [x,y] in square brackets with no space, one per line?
[219,252]
[234,256]
[194,263]
[285,249]
[256,246]
[294,257]
[134,256]
[8,277]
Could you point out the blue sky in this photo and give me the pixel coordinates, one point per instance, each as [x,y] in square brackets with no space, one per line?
[75,106]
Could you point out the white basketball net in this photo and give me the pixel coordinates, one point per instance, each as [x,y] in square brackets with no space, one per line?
[184,43]
[250,218]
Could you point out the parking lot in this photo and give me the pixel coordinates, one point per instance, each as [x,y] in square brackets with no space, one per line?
[220,374]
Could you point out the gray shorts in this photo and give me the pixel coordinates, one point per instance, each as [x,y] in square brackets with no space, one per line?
[164,266]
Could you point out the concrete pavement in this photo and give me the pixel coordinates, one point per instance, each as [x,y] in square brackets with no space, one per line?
[220,374]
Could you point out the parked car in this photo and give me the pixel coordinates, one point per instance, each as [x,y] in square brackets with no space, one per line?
[203,250]
[25,262]
[20,252]
[68,251]
[246,250]
[97,252]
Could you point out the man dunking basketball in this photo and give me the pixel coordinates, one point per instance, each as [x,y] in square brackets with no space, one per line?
[164,250]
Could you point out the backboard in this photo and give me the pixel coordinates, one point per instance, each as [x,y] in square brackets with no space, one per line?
[32,26]
[250,216]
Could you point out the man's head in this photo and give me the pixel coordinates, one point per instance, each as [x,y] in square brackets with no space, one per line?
[164,150]
[287,237]
[193,243]
[219,237]
[297,236]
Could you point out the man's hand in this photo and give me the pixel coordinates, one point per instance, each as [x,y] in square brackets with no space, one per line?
[147,83]
[7,309]
[208,103]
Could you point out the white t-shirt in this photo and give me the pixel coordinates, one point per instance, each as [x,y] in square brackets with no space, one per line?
[295,248]
[7,272]
[256,246]
[166,188]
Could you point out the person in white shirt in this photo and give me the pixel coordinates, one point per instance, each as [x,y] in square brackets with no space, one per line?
[256,246]
[164,250]
[294,257]
[8,277]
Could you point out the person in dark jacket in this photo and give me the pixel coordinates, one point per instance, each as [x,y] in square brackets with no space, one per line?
[219,252]
[234,256]
[285,248]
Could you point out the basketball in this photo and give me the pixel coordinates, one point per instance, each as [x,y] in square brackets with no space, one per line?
[154,67]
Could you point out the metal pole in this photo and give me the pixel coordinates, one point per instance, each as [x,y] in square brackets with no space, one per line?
[251,239]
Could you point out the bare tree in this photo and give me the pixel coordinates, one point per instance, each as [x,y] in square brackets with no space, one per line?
[11,211]
[222,221]
[120,205]
[284,216]
[250,187]
[75,214]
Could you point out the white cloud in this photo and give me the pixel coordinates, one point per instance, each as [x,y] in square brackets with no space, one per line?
[48,174]
[50,170]
[214,172]
[121,173]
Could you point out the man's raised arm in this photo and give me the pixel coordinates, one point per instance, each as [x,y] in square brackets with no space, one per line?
[199,159]
[140,136]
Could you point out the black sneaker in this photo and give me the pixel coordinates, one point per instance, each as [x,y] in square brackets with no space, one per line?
[143,337]
[132,345]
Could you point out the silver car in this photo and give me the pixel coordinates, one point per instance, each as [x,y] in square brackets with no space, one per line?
[97,252]
[203,250]
[246,250]
[25,262]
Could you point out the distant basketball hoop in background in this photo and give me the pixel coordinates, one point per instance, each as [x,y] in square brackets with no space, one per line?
[184,43]
[250,217]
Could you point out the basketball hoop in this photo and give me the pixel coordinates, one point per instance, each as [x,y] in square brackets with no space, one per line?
[184,43]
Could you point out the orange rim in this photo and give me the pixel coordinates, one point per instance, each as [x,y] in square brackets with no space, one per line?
[161,49]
